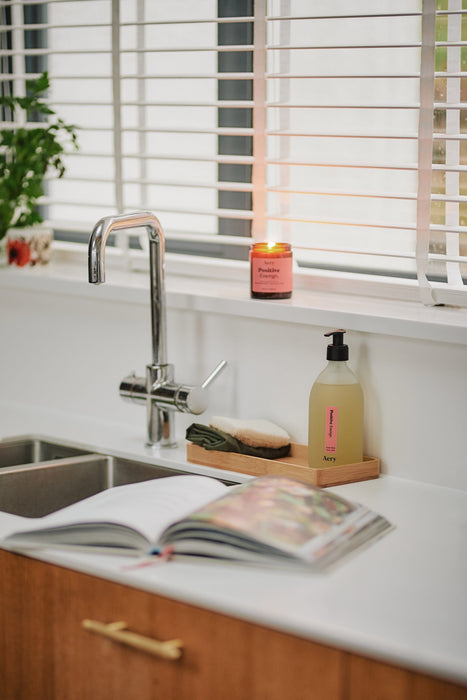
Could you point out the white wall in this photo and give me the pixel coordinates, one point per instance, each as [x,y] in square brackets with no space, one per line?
[70,353]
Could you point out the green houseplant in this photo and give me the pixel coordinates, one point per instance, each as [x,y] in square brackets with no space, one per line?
[28,153]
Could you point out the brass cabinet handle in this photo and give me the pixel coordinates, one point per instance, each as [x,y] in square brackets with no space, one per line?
[171,650]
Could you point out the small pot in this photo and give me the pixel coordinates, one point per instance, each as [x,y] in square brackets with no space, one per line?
[29,246]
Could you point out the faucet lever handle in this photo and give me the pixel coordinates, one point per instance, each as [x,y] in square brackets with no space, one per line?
[214,374]
[182,397]
[193,399]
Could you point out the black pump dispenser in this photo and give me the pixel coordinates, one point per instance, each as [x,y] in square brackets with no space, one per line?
[338,351]
[335,418]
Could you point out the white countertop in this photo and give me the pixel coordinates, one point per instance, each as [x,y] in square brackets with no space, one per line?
[402,599]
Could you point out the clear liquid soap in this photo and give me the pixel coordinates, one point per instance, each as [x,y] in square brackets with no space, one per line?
[335,431]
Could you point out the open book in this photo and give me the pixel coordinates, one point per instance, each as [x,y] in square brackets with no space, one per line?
[270,520]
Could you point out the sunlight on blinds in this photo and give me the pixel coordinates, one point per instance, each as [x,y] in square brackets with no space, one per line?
[343,95]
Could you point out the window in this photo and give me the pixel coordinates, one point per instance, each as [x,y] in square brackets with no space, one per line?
[336,125]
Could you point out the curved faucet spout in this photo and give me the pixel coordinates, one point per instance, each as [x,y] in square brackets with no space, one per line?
[96,268]
[158,389]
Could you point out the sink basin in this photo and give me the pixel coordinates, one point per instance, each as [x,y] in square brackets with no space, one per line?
[39,489]
[39,476]
[29,449]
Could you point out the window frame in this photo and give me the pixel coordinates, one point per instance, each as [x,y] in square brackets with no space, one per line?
[432,292]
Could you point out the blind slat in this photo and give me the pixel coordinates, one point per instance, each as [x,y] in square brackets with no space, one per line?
[347,105]
[231,48]
[234,104]
[225,186]
[341,164]
[341,76]
[344,193]
[367,15]
[161,23]
[340,47]
[236,214]
[344,135]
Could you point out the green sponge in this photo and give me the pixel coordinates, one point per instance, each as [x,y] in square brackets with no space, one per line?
[256,438]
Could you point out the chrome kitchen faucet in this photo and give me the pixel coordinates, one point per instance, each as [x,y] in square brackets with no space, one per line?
[157,389]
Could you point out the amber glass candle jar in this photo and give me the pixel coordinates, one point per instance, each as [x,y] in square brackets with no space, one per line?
[271,270]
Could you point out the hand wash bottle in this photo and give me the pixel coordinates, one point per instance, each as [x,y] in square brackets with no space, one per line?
[335,432]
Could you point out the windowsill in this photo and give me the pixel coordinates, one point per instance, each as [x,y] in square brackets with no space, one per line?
[316,306]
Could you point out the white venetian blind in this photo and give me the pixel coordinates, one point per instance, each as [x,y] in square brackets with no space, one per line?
[336,125]
[141,80]
[350,143]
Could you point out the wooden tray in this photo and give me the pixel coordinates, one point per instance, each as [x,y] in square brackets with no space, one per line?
[295,466]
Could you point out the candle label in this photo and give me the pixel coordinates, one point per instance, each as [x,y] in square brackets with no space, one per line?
[269,275]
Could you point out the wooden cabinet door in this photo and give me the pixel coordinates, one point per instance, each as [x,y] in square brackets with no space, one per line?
[50,655]
[26,631]
[47,654]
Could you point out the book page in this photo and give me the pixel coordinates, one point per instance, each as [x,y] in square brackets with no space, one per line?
[147,506]
[279,512]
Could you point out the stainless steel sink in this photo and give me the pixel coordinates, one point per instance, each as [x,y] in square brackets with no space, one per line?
[30,449]
[36,490]
[39,476]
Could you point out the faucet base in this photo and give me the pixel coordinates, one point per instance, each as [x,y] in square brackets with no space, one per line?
[156,447]
[159,419]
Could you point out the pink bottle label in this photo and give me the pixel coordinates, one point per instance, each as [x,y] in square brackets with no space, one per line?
[330,440]
[271,274]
